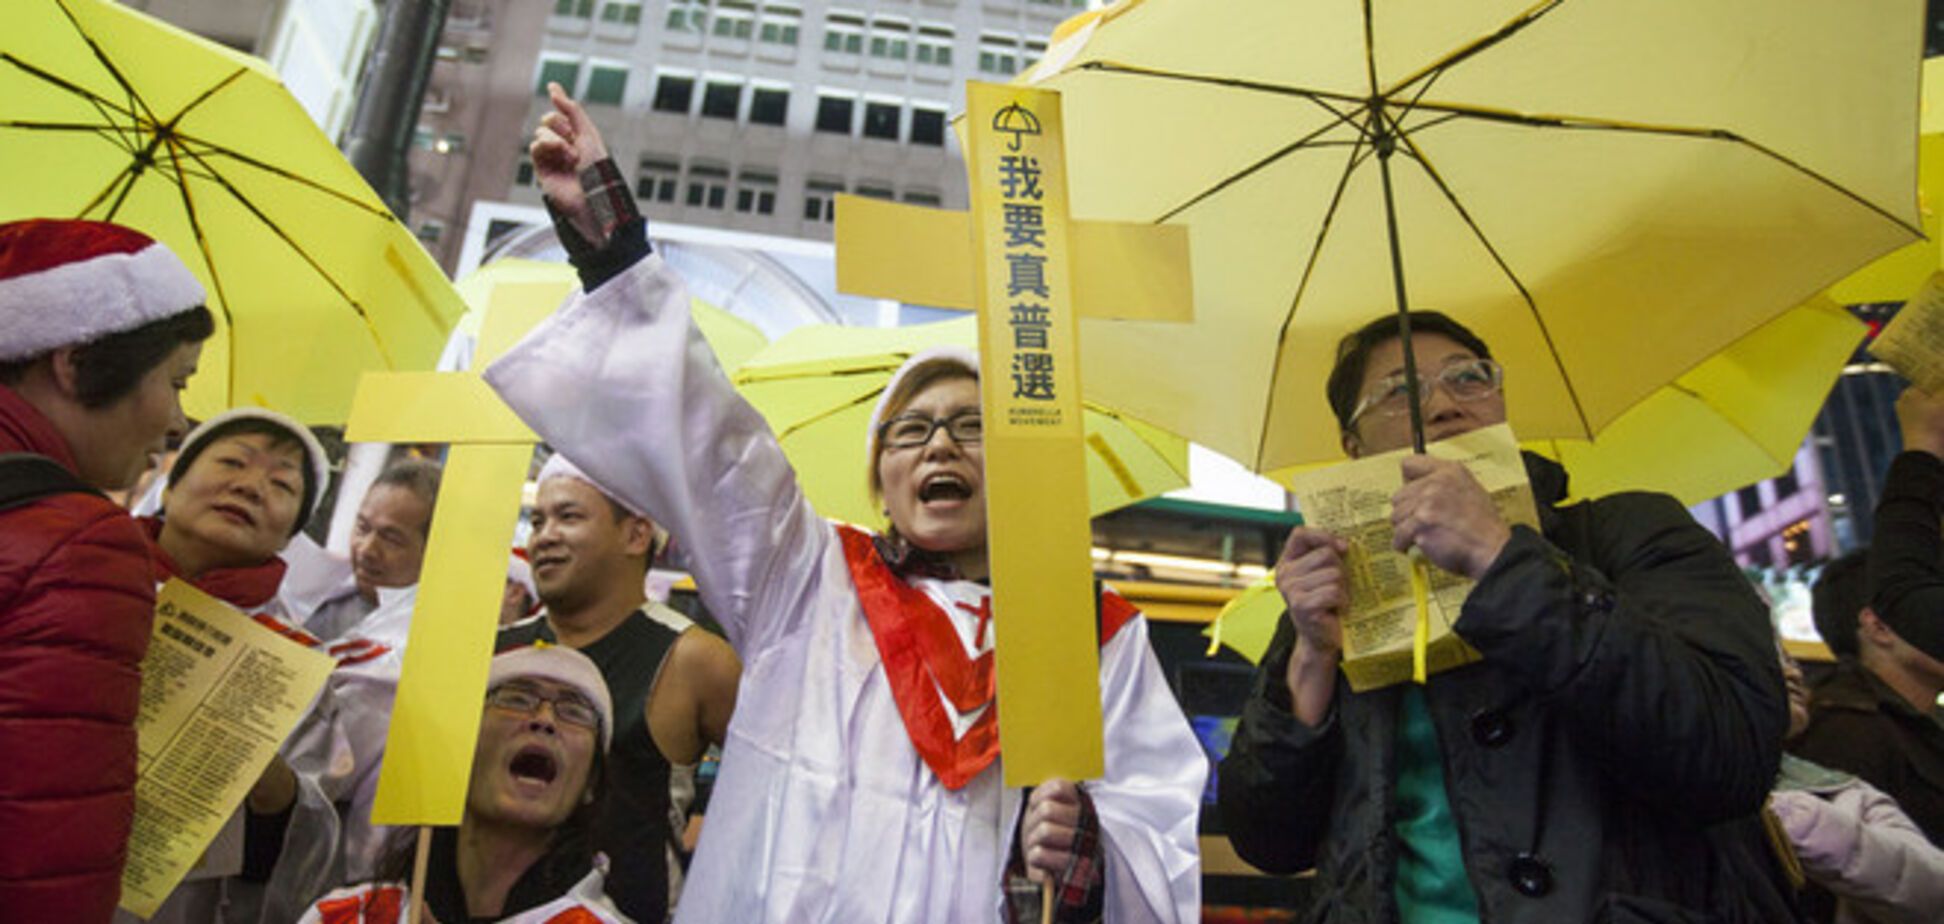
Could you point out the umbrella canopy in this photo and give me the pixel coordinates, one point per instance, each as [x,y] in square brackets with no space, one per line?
[1900,274]
[817,385]
[1606,192]
[733,339]
[111,115]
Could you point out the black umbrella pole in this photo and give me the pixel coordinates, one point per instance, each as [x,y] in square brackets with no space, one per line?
[1386,145]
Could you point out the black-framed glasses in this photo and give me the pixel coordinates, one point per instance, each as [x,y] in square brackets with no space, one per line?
[906,431]
[568,706]
[1465,380]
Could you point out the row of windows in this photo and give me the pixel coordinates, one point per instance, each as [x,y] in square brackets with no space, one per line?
[752,192]
[882,119]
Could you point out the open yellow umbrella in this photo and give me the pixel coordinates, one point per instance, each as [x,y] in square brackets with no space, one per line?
[1607,192]
[1899,274]
[733,339]
[108,114]
[817,385]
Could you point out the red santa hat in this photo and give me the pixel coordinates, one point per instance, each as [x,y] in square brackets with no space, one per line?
[67,283]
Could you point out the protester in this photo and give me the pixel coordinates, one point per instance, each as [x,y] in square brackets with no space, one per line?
[523,852]
[1876,715]
[1907,557]
[100,330]
[337,599]
[243,483]
[861,779]
[1627,699]
[1869,861]
[674,688]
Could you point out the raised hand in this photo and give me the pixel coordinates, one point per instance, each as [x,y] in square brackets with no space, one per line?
[1447,514]
[565,143]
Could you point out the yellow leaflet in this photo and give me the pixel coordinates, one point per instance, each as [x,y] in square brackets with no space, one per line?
[435,718]
[1038,539]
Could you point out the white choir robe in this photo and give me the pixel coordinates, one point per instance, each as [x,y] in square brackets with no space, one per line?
[823,810]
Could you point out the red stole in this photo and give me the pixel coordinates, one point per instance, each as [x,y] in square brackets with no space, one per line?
[921,653]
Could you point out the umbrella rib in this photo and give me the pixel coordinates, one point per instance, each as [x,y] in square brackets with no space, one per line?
[1357,156]
[1525,294]
[135,99]
[1473,48]
[1306,141]
[211,148]
[98,100]
[831,412]
[215,278]
[1321,98]
[1581,123]
[278,230]
[214,88]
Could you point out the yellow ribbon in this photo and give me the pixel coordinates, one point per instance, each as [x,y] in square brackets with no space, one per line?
[1421,594]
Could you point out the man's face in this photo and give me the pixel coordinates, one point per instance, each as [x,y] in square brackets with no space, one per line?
[531,768]
[1377,431]
[240,497]
[388,539]
[578,548]
[935,493]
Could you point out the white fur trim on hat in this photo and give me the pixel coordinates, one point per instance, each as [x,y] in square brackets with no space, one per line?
[90,297]
[562,665]
[559,466]
[963,356]
[316,464]
[520,572]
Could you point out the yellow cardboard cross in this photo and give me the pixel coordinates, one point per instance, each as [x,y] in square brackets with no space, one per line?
[1030,270]
[428,750]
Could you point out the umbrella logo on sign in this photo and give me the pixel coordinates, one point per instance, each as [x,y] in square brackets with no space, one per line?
[1017,121]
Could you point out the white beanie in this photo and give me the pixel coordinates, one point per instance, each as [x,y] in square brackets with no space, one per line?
[957,355]
[317,466]
[558,466]
[563,666]
[68,283]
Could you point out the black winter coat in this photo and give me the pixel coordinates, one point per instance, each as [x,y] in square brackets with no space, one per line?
[1605,761]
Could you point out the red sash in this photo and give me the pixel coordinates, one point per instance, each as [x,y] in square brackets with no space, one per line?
[921,652]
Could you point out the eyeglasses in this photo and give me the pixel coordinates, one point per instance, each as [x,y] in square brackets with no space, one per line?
[568,706]
[906,431]
[1465,380]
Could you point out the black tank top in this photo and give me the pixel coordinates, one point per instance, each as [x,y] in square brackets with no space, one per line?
[634,829]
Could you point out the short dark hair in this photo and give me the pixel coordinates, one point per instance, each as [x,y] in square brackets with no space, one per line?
[108,369]
[1841,591]
[280,438]
[417,475]
[1353,354]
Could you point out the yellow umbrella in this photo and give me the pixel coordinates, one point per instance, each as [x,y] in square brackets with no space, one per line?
[108,114]
[1607,192]
[817,385]
[733,339]
[1899,275]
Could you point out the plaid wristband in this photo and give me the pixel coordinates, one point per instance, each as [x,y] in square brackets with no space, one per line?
[1079,891]
[608,196]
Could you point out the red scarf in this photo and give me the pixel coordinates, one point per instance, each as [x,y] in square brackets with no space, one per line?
[922,653]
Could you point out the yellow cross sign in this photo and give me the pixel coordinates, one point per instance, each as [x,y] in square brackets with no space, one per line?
[1031,271]
[428,749]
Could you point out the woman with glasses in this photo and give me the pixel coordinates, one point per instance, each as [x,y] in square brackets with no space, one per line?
[861,780]
[523,852]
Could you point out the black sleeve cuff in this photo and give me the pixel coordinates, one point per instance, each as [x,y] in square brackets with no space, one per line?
[624,230]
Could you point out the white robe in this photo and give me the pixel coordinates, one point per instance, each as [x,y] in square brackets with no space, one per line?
[823,810]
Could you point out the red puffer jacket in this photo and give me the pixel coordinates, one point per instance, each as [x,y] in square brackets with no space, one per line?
[77,597]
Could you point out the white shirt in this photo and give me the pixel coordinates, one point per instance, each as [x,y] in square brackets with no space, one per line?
[823,810]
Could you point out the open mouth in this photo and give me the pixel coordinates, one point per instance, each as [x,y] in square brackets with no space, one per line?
[533,764]
[944,488]
[235,514]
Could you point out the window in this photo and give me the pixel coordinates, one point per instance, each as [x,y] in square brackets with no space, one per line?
[935,45]
[1786,484]
[733,19]
[921,197]
[820,200]
[656,179]
[768,105]
[876,192]
[998,54]
[1749,500]
[578,9]
[780,25]
[450,143]
[687,15]
[890,38]
[756,192]
[708,187]
[563,71]
[523,171]
[430,231]
[881,120]
[606,84]
[834,113]
[621,11]
[1033,52]
[673,92]
[844,33]
[721,100]
[927,126]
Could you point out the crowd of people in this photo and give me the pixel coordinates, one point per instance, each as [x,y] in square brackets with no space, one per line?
[1633,744]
